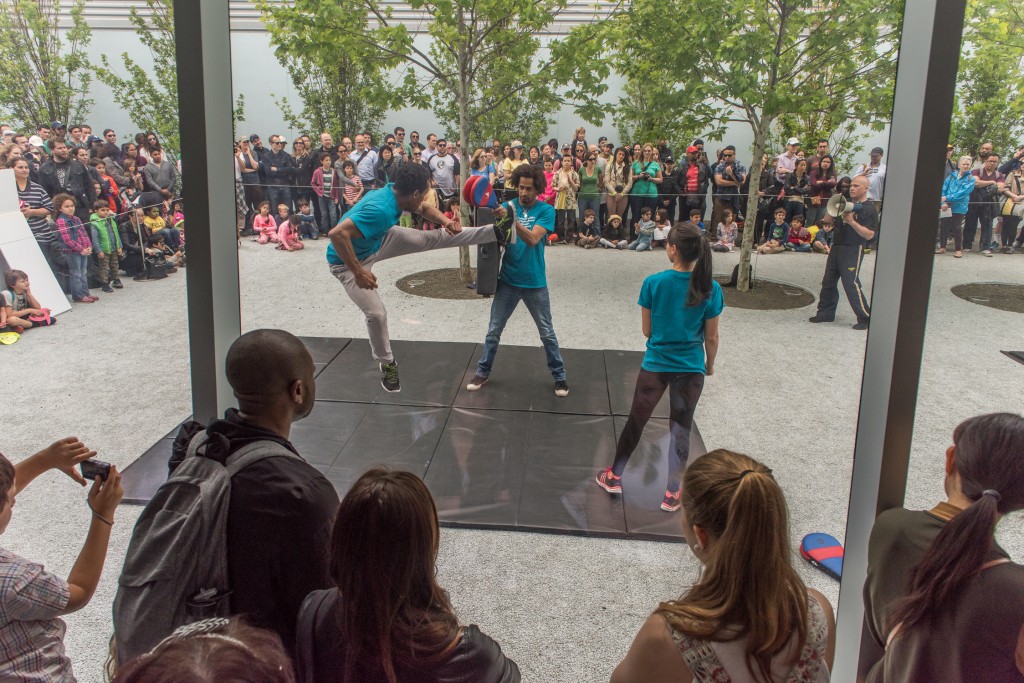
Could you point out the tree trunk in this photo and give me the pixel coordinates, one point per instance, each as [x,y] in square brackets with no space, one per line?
[750,215]
[465,272]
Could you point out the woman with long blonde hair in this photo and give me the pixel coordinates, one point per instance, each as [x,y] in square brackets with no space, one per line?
[749,618]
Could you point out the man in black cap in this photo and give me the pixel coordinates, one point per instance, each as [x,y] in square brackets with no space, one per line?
[857,229]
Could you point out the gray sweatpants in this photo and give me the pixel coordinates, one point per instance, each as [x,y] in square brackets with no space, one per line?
[399,242]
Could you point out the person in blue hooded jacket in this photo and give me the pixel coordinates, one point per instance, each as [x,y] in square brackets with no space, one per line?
[956,191]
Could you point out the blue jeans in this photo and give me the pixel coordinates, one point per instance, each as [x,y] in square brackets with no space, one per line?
[172,237]
[594,204]
[278,194]
[328,213]
[506,298]
[78,268]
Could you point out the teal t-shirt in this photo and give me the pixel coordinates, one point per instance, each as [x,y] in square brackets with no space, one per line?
[374,214]
[677,330]
[523,264]
[641,187]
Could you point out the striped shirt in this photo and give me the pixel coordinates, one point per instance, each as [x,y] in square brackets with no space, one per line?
[31,635]
[353,191]
[35,197]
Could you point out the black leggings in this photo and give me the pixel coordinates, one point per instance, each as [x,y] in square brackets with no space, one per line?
[684,392]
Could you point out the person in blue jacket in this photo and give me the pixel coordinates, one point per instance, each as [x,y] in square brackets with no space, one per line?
[956,191]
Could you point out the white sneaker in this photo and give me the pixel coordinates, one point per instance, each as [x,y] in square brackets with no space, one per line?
[987,252]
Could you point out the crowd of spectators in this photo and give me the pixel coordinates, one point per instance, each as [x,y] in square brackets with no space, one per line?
[329,590]
[293,192]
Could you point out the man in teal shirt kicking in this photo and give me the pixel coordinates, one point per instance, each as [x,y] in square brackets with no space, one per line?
[365,236]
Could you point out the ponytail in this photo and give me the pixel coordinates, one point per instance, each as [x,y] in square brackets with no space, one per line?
[988,449]
[693,247]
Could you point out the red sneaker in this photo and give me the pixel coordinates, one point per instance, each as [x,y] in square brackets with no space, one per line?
[672,502]
[607,480]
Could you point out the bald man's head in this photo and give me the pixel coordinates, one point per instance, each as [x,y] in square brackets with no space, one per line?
[271,370]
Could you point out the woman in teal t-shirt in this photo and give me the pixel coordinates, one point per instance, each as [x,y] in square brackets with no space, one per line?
[646,179]
[682,342]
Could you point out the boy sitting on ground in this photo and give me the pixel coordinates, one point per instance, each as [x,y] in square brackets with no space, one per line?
[644,231]
[589,235]
[778,234]
[307,222]
[18,306]
[823,238]
[799,236]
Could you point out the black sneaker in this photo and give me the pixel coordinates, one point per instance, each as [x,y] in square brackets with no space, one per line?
[117,284]
[861,326]
[389,377]
[561,388]
[107,289]
[505,227]
[819,319]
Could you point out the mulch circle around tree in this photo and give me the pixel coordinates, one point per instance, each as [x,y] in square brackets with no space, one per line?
[999,295]
[443,283]
[766,295]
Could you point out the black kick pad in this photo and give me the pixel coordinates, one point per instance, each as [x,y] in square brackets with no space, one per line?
[510,456]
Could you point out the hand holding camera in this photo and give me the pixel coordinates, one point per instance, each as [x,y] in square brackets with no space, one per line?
[106,493]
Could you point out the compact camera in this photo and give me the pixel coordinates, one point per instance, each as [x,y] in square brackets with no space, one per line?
[94,468]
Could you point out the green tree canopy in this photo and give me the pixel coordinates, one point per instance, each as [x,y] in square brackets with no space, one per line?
[990,84]
[150,96]
[46,71]
[756,61]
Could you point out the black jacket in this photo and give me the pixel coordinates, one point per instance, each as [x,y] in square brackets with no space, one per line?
[702,177]
[671,184]
[77,182]
[285,165]
[279,523]
[475,659]
[386,172]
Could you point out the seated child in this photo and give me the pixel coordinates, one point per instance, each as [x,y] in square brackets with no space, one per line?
[307,222]
[778,234]
[158,226]
[799,236]
[264,225]
[589,235]
[34,599]
[661,230]
[176,217]
[726,232]
[19,310]
[644,231]
[157,247]
[106,242]
[613,236]
[695,217]
[288,234]
[823,238]
[282,216]
[452,209]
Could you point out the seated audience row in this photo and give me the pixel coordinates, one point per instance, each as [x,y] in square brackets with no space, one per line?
[347,591]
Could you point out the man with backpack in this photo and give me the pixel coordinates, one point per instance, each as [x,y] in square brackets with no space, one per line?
[243,523]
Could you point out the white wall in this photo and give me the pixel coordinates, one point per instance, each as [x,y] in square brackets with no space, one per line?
[258,75]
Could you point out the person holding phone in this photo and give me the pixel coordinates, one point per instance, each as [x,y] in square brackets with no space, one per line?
[32,598]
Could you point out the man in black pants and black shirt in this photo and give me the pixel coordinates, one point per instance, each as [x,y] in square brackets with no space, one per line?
[859,226]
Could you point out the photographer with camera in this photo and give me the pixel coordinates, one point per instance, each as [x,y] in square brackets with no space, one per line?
[729,176]
[31,598]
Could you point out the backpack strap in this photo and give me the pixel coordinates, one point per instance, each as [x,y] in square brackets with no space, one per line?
[253,453]
[305,633]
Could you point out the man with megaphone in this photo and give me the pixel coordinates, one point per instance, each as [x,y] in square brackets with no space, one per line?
[859,224]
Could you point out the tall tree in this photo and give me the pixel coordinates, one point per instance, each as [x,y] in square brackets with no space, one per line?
[339,87]
[150,95]
[482,58]
[639,115]
[990,83]
[771,58]
[46,71]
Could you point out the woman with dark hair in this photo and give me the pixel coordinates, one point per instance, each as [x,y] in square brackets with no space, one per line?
[130,152]
[534,157]
[679,308]
[749,617]
[36,207]
[249,165]
[387,166]
[942,598]
[112,160]
[210,651]
[798,187]
[618,179]
[481,165]
[387,619]
[823,183]
[647,178]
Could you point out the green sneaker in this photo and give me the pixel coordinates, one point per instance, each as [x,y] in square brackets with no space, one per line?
[389,377]
[505,227]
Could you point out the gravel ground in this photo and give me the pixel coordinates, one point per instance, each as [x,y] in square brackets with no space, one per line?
[565,608]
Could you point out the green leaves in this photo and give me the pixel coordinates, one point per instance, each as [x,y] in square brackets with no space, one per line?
[990,84]
[47,72]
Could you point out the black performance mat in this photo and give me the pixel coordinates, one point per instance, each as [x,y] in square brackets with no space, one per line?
[510,456]
[1015,355]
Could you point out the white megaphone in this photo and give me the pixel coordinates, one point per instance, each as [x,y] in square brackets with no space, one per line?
[837,206]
